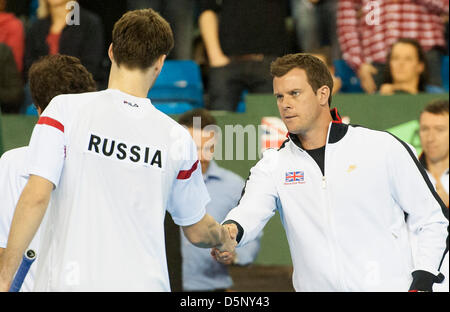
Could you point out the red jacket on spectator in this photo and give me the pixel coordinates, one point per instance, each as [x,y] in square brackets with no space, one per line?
[367,28]
[12,34]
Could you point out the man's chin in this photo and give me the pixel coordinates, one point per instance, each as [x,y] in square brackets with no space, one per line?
[293,130]
[434,158]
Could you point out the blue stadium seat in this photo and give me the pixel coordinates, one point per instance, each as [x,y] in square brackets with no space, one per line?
[179,87]
[173,107]
[350,81]
[31,110]
[241,107]
[444,72]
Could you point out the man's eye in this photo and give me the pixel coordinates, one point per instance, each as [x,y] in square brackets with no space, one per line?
[279,97]
[295,93]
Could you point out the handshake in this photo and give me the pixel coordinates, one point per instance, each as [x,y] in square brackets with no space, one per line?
[225,253]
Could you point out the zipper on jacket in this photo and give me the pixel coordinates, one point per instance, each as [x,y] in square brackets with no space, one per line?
[330,235]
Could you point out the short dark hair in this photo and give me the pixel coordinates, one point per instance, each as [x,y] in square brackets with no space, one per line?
[206,119]
[436,107]
[316,71]
[140,37]
[53,75]
[424,76]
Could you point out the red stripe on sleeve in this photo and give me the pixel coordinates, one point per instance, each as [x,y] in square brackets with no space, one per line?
[51,122]
[186,174]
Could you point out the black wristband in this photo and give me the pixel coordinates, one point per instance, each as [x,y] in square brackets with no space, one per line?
[240,229]
[423,281]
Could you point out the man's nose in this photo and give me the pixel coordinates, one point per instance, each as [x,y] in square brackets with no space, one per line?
[430,137]
[286,103]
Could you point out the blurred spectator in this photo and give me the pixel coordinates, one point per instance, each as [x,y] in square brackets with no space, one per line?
[367,28]
[200,271]
[180,15]
[324,55]
[11,87]
[315,22]
[51,34]
[407,70]
[306,24]
[241,39]
[12,34]
[434,137]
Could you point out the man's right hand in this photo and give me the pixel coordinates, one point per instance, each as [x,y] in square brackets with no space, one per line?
[365,74]
[229,233]
[226,253]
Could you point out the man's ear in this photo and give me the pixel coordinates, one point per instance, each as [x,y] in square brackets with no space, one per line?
[159,64]
[323,94]
[110,53]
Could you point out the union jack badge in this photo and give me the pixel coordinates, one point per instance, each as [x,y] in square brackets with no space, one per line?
[293,177]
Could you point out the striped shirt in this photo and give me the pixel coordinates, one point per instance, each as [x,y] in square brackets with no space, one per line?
[367,29]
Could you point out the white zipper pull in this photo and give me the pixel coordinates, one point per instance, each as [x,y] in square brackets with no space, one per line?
[324,182]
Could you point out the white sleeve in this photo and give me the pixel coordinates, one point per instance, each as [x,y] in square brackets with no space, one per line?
[47,144]
[189,196]
[259,200]
[414,192]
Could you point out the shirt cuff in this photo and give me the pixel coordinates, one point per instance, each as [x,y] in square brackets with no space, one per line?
[190,221]
[423,281]
[52,177]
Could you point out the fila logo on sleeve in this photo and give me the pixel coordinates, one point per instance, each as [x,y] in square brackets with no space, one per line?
[131,153]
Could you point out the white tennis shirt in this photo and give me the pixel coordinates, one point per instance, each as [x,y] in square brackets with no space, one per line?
[117,164]
[13,178]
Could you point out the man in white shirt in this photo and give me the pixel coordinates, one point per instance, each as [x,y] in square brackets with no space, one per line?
[200,271]
[50,76]
[116,164]
[434,136]
[342,192]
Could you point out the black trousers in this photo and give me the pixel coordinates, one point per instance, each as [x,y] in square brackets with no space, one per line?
[226,84]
